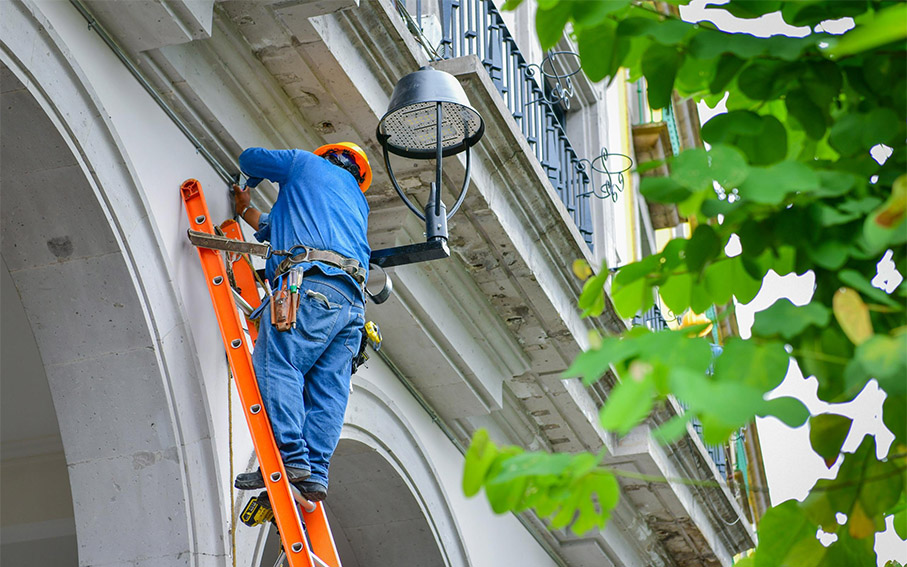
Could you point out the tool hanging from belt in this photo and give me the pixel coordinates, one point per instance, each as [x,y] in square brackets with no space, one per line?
[296,255]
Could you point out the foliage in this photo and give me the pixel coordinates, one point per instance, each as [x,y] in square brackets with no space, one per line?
[800,190]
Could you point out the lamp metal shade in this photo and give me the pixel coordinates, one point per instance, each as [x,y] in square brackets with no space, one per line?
[408,128]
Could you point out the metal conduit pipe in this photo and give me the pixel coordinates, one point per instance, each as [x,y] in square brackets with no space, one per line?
[94,25]
[448,432]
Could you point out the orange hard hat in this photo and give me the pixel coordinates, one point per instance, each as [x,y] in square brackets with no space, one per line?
[358,154]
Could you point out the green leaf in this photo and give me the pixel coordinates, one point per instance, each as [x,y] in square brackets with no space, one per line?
[886,26]
[592,364]
[675,292]
[660,64]
[900,516]
[770,185]
[636,270]
[750,9]
[831,216]
[549,23]
[599,50]
[859,282]
[880,126]
[787,320]
[740,403]
[479,458]
[728,166]
[727,277]
[834,183]
[673,429]
[631,400]
[762,366]
[534,464]
[763,139]
[511,5]
[691,169]
[592,299]
[756,80]
[709,43]
[846,135]
[691,206]
[894,417]
[788,538]
[593,14]
[827,433]
[633,298]
[663,190]
[702,247]
[600,486]
[847,550]
[808,114]
[885,359]
[727,68]
[790,411]
[670,31]
[694,76]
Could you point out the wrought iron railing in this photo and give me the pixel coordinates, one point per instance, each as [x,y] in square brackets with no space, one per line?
[651,319]
[475,27]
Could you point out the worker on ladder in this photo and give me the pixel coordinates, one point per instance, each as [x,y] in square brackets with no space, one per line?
[313,326]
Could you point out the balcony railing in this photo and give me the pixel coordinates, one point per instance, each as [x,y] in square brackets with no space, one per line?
[475,27]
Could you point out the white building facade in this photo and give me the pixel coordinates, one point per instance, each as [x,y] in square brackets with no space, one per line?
[120,429]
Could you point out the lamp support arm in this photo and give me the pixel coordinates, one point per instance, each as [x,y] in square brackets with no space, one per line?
[462,196]
[387,164]
[439,150]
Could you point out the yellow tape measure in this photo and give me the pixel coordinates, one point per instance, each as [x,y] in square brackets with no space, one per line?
[374,335]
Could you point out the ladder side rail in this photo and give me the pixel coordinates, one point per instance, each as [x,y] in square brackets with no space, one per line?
[245,278]
[240,359]
[320,536]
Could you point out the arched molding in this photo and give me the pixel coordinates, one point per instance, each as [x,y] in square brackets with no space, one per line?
[375,420]
[112,332]
[374,424]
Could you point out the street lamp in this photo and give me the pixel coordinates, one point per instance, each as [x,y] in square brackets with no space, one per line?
[429,117]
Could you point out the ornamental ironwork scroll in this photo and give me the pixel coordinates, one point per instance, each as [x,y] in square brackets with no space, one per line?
[610,168]
[560,82]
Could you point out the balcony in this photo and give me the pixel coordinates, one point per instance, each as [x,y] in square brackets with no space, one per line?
[456,28]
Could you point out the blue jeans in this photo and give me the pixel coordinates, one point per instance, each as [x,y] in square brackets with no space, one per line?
[304,373]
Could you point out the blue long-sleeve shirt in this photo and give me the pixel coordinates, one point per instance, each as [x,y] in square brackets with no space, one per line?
[319,205]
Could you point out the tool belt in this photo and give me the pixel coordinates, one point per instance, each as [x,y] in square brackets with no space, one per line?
[348,265]
[295,255]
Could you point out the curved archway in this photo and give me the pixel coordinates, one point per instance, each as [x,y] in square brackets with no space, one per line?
[374,515]
[106,320]
[386,505]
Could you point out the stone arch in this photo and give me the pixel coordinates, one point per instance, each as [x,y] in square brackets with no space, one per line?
[108,324]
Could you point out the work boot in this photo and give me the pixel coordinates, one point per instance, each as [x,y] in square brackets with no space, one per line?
[254,480]
[311,490]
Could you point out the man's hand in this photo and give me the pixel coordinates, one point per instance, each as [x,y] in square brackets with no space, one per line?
[242,199]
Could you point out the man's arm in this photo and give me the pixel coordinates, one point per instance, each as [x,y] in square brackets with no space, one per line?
[273,165]
[242,201]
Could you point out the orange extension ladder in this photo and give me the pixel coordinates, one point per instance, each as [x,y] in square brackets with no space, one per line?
[307,540]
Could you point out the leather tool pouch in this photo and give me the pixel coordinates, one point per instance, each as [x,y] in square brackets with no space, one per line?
[283,307]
